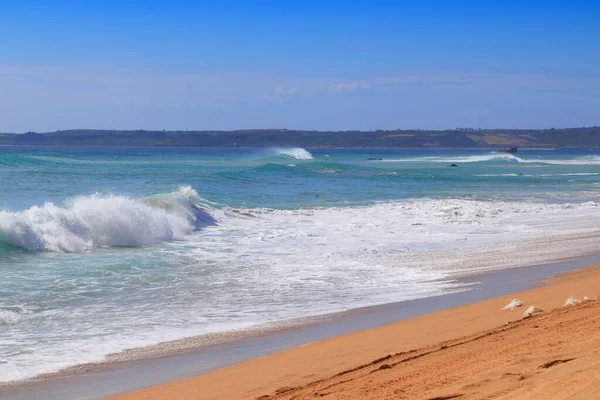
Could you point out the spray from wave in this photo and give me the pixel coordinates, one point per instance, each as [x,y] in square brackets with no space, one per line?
[88,222]
[296,153]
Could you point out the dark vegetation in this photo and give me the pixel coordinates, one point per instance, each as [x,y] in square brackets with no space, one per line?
[457,138]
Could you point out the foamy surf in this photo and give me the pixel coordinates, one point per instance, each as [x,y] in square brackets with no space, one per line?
[260,265]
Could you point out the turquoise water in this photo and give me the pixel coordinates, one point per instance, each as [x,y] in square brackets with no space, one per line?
[106,249]
[224,175]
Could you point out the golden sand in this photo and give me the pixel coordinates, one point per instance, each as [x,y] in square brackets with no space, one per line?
[477,351]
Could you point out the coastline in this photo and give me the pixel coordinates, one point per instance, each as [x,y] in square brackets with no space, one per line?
[372,256]
[133,373]
[330,367]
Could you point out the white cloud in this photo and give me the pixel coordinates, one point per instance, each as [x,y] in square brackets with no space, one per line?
[281,91]
[349,87]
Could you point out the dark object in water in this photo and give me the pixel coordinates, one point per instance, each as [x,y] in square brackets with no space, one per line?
[374,159]
[453,165]
[511,150]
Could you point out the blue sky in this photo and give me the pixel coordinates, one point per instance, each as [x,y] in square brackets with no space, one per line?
[304,65]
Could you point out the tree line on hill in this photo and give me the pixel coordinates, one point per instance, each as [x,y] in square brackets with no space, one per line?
[588,137]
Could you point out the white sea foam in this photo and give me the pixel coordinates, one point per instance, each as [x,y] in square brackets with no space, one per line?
[88,222]
[478,235]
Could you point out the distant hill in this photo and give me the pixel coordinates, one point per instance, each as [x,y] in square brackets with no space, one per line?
[457,138]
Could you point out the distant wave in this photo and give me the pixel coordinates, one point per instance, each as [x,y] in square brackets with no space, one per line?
[88,222]
[492,175]
[460,159]
[296,153]
[586,160]
[543,175]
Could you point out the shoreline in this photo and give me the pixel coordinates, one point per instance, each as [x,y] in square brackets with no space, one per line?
[428,348]
[105,379]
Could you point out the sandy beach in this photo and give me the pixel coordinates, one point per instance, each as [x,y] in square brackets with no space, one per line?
[262,200]
[470,352]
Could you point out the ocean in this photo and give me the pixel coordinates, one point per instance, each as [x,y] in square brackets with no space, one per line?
[107,249]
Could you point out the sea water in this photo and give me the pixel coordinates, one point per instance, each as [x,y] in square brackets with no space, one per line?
[107,249]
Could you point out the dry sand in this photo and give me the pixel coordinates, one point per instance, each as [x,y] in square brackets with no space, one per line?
[476,351]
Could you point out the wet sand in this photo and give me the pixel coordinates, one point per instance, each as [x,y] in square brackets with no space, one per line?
[474,351]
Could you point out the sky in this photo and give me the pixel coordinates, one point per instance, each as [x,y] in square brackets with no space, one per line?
[324,65]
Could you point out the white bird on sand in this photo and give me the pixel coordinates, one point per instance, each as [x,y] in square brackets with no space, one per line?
[531,311]
[572,301]
[513,304]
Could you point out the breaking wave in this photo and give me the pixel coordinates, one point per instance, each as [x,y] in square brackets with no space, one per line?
[88,222]
[296,153]
[585,160]
[542,175]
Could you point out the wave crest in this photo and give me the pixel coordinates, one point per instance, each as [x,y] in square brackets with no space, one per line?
[296,153]
[88,222]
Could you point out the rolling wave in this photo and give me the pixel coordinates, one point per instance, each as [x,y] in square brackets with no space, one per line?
[88,222]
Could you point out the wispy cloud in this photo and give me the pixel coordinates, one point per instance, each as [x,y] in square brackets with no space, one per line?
[282,91]
[349,87]
[43,98]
